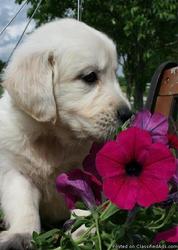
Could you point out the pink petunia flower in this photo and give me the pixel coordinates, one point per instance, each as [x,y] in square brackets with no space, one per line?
[79,185]
[135,170]
[170,235]
[156,124]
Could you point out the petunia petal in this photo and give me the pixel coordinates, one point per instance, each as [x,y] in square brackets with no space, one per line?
[156,124]
[126,141]
[163,170]
[95,185]
[114,152]
[122,191]
[160,161]
[127,194]
[89,164]
[78,184]
[159,138]
[170,235]
[70,201]
[111,186]
[107,161]
[142,144]
[141,119]
[151,191]
[133,141]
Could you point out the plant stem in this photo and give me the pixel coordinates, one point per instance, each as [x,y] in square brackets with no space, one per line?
[97,231]
[106,210]
[170,213]
[111,245]
[94,225]
[100,208]
[79,241]
[157,221]
[131,216]
[58,248]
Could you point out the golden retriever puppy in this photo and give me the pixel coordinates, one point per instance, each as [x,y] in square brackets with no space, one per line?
[61,94]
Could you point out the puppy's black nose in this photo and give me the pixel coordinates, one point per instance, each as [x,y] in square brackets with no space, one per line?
[124,113]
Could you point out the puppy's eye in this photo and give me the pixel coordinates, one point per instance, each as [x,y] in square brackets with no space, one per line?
[90,78]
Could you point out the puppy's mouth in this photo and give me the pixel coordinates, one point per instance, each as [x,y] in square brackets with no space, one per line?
[105,130]
[99,128]
[107,126]
[98,131]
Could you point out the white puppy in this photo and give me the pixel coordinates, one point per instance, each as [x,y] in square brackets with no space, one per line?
[61,95]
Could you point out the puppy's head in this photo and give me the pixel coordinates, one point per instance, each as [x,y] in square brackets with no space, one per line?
[65,73]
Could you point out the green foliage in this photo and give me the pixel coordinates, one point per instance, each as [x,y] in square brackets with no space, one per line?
[47,240]
[2,65]
[145,32]
[108,226]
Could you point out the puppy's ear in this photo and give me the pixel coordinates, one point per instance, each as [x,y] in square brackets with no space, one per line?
[30,83]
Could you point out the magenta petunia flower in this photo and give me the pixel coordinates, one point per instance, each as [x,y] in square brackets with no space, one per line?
[170,235]
[79,185]
[156,124]
[89,164]
[135,170]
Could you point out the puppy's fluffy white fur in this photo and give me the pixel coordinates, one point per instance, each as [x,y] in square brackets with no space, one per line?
[49,116]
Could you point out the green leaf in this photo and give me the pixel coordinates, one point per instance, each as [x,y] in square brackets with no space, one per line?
[109,211]
[47,239]
[119,232]
[80,222]
[80,205]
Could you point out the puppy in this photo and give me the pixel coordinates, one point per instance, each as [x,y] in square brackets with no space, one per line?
[61,95]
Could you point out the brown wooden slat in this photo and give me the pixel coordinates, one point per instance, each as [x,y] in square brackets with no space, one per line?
[169,83]
[164,104]
[156,84]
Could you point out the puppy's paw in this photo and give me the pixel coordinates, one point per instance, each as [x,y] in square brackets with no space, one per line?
[15,241]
